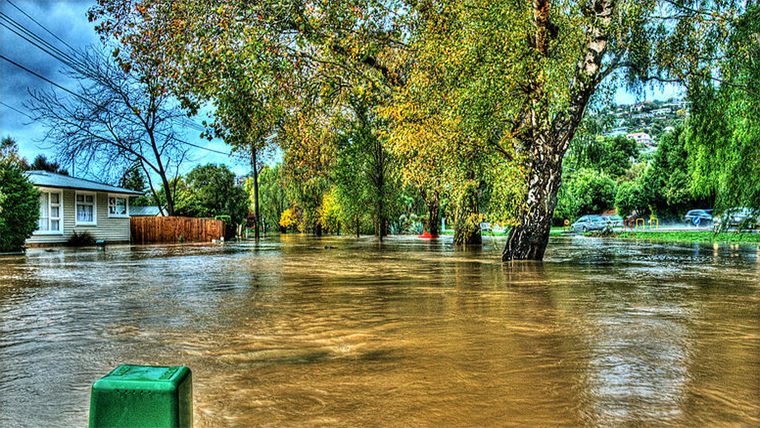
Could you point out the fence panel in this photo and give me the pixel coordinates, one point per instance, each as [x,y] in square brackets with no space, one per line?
[146,230]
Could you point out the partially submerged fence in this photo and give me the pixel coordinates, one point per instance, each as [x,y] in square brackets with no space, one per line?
[175,229]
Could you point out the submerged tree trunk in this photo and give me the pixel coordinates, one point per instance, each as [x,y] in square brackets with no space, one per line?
[545,139]
[433,218]
[255,170]
[466,222]
[528,240]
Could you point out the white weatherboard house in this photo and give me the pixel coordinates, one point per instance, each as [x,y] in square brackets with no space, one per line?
[69,205]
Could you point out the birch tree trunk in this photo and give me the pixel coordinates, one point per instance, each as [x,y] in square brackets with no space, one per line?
[548,138]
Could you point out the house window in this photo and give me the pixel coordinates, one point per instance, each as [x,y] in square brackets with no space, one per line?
[85,209]
[117,206]
[50,212]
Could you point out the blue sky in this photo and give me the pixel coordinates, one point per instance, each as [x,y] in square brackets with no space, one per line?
[68,21]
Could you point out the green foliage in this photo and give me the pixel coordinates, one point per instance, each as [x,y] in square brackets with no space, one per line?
[330,213]
[609,155]
[19,207]
[467,216]
[364,173]
[630,199]
[83,239]
[272,194]
[210,191]
[666,184]
[588,192]
[133,178]
[458,88]
[724,135]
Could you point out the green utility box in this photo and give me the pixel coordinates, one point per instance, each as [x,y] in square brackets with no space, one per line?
[143,396]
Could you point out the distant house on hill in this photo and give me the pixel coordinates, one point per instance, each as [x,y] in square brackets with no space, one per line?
[69,204]
[641,137]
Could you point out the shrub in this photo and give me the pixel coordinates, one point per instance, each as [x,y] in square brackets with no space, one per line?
[19,208]
[84,239]
[329,213]
[290,220]
[630,199]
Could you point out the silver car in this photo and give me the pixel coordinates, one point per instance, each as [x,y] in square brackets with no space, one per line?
[738,216]
[588,223]
[613,220]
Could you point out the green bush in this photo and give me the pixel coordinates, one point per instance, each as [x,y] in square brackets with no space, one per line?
[630,198]
[84,239]
[586,192]
[19,208]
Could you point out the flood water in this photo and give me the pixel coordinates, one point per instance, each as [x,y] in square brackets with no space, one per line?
[603,333]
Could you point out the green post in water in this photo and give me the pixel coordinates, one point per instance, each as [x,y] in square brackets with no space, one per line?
[132,396]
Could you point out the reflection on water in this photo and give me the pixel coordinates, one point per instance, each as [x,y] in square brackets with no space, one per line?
[404,333]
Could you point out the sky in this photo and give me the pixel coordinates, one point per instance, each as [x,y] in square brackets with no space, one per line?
[67,21]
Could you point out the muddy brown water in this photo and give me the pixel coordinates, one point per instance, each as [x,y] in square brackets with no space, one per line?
[604,333]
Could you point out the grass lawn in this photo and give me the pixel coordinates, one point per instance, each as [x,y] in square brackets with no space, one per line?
[554,231]
[691,236]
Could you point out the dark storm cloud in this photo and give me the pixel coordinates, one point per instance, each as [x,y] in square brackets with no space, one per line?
[68,21]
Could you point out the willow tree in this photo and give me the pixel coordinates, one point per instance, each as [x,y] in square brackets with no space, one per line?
[723,138]
[521,75]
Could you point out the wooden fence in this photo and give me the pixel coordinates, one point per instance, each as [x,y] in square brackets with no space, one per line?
[175,229]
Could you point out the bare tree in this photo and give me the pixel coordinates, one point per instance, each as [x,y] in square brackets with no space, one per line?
[115,118]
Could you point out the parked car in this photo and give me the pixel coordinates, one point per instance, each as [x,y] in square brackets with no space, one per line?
[588,223]
[738,216]
[613,220]
[704,216]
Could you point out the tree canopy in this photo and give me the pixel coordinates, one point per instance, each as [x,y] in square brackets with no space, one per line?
[467,95]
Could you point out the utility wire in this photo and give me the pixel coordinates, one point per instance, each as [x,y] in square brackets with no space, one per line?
[46,79]
[43,27]
[38,41]
[16,110]
[73,63]
[60,55]
[97,105]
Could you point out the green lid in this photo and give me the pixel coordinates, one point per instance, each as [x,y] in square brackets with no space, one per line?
[143,373]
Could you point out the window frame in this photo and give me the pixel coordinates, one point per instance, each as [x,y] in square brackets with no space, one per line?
[94,204]
[126,203]
[50,219]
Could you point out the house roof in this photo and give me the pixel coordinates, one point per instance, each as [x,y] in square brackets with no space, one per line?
[58,181]
[149,211]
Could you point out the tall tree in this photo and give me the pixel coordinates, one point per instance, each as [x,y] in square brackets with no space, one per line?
[519,76]
[522,75]
[272,191]
[9,153]
[364,170]
[120,116]
[41,163]
[724,133]
[211,191]
[133,179]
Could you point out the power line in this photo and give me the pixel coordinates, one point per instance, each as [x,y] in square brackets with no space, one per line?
[75,64]
[38,41]
[47,80]
[57,53]
[43,27]
[97,105]
[16,110]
